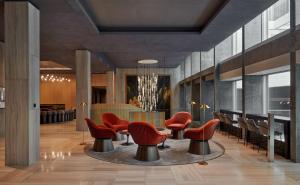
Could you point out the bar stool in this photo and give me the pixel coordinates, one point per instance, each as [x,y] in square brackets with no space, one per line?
[71,115]
[43,116]
[264,132]
[252,127]
[243,125]
[54,116]
[67,117]
[229,124]
[216,116]
[222,122]
[62,115]
[50,116]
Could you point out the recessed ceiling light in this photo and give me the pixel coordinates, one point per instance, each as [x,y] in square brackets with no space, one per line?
[148,61]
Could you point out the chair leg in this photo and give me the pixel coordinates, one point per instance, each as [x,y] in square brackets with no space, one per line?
[147,153]
[199,147]
[119,137]
[103,145]
[177,134]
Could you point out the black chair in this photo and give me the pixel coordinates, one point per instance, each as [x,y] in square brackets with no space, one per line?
[217,116]
[222,122]
[43,116]
[244,129]
[54,116]
[61,116]
[264,132]
[252,127]
[67,116]
[49,116]
[229,124]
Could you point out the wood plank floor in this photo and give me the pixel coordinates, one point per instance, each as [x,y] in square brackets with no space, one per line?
[63,162]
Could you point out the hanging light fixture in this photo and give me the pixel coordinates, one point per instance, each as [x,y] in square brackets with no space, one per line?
[147,85]
[54,78]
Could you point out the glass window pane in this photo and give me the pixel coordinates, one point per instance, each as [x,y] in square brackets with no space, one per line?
[237,42]
[195,62]
[207,59]
[297,12]
[229,47]
[188,66]
[238,95]
[279,93]
[224,50]
[253,32]
[276,19]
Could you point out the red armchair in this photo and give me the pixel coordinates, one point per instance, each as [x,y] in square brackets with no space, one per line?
[147,137]
[103,136]
[112,121]
[178,123]
[200,136]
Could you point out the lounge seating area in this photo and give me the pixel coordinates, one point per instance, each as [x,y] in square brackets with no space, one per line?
[147,137]
[183,92]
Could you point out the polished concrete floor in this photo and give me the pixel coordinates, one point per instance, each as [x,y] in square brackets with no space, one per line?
[64,162]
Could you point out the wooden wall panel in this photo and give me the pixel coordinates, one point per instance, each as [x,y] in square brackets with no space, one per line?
[99,80]
[52,93]
[59,92]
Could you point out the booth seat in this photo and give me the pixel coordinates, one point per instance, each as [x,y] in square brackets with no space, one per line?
[103,136]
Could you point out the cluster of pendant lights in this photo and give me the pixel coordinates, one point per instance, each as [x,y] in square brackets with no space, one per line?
[147,85]
[54,78]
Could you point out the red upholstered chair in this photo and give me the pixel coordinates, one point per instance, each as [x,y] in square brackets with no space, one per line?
[147,137]
[178,123]
[103,136]
[112,121]
[200,136]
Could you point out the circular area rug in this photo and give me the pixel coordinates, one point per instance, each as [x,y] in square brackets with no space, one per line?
[177,154]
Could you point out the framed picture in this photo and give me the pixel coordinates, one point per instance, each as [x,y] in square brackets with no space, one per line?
[163,90]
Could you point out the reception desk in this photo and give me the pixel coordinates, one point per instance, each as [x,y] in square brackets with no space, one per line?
[157,119]
[121,110]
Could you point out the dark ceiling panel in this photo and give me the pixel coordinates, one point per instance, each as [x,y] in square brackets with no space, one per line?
[65,28]
[151,13]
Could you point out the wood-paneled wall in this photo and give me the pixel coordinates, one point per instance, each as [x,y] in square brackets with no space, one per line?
[59,92]
[65,92]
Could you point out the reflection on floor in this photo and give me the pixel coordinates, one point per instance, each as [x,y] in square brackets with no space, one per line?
[64,162]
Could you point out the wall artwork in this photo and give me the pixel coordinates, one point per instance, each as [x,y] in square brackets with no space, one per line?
[163,90]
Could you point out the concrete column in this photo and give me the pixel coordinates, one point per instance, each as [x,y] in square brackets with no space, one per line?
[110,88]
[22,78]
[2,84]
[295,88]
[83,88]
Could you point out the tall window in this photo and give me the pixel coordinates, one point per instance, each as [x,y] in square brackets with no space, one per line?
[238,95]
[207,59]
[271,22]
[279,93]
[297,12]
[229,47]
[276,19]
